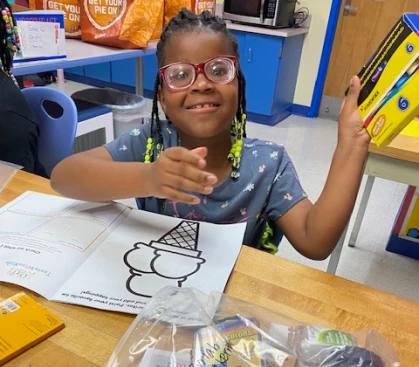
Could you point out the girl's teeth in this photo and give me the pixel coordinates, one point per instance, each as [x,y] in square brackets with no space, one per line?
[207,105]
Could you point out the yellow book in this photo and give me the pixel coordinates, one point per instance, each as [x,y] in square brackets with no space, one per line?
[23,324]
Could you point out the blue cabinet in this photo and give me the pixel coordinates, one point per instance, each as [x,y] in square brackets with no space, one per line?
[260,62]
[270,65]
[149,72]
[78,70]
[123,72]
[99,71]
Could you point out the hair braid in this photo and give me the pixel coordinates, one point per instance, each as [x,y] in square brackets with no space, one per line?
[9,39]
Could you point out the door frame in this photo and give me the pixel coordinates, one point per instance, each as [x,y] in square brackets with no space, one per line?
[325,58]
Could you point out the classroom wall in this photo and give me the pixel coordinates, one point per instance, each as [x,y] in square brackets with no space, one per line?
[312,49]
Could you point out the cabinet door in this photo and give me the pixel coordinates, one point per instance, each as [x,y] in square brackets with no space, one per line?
[149,71]
[241,39]
[78,70]
[260,65]
[99,71]
[123,72]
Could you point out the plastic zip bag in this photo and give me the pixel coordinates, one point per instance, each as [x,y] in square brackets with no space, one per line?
[182,327]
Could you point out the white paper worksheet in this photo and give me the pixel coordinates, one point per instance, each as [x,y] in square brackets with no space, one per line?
[108,256]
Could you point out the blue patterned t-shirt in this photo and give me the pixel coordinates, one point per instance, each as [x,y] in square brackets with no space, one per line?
[268,183]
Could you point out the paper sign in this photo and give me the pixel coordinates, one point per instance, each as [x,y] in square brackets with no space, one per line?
[39,39]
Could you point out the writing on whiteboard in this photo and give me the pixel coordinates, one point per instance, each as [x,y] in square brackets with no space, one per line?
[39,39]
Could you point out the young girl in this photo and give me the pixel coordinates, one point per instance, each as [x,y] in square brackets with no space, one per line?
[199,165]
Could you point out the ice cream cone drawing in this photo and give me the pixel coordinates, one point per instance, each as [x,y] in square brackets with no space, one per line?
[168,261]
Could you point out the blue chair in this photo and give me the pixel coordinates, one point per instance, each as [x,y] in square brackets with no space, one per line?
[56,115]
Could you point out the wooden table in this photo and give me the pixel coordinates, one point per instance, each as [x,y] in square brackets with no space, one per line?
[303,293]
[399,162]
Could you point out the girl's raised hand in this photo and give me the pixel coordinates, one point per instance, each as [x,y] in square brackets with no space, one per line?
[351,128]
[178,170]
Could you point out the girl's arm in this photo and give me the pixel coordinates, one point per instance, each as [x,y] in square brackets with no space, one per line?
[314,230]
[94,176]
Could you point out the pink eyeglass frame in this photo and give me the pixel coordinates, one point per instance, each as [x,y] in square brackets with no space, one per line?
[199,68]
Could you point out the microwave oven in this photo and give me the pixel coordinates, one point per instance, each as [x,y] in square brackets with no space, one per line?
[267,13]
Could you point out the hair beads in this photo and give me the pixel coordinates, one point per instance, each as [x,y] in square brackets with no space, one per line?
[9,40]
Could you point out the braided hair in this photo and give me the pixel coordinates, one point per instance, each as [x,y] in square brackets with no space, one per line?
[9,39]
[187,21]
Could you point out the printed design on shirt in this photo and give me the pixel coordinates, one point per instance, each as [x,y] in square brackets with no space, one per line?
[194,216]
[225,204]
[248,145]
[151,264]
[295,175]
[255,153]
[262,168]
[288,196]
[123,148]
[191,215]
[174,203]
[235,219]
[204,201]
[249,187]
[269,143]
[243,211]
[274,155]
[135,132]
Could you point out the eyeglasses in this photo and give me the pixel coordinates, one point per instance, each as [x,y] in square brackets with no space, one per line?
[180,75]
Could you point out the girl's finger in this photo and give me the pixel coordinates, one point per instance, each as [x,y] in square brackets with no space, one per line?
[182,183]
[189,172]
[181,197]
[181,154]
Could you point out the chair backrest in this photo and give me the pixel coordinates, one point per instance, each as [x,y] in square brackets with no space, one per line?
[56,115]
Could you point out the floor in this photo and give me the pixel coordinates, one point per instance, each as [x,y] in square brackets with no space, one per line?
[310,143]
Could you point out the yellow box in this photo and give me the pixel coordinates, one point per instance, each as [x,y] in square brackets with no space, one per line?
[23,324]
[389,98]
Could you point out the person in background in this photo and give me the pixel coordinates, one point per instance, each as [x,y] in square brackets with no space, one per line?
[199,165]
[18,128]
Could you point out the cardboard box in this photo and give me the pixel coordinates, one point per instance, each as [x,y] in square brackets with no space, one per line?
[389,98]
[404,239]
[42,35]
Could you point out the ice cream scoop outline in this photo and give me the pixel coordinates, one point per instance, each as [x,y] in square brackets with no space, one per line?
[153,265]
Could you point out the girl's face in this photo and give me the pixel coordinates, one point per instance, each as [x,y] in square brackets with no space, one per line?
[205,109]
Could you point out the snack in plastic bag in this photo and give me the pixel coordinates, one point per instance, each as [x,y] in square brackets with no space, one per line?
[127,23]
[172,7]
[121,23]
[182,327]
[198,6]
[71,9]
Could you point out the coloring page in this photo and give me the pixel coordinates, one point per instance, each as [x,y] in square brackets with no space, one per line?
[147,252]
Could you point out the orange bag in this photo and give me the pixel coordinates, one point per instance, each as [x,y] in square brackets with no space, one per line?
[71,9]
[198,6]
[127,23]
[172,7]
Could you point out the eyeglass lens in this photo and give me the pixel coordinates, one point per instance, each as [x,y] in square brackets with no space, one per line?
[220,70]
